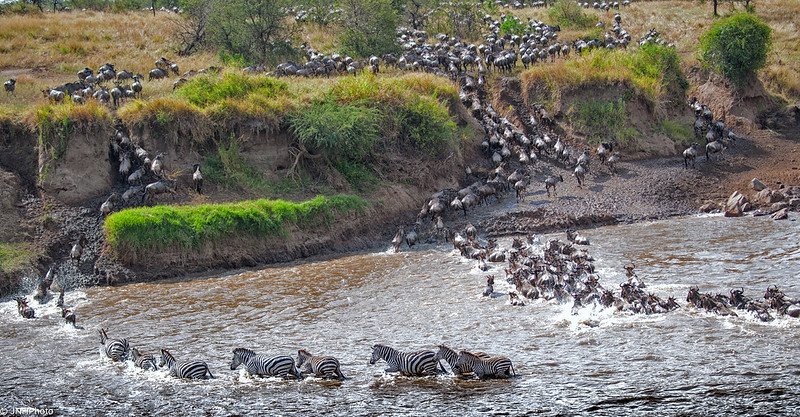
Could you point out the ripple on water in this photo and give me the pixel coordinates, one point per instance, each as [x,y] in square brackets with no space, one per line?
[593,361]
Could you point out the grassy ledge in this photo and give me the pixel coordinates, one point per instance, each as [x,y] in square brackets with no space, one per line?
[653,71]
[139,231]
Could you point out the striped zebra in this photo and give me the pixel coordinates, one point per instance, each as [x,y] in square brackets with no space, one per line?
[263,365]
[417,363]
[451,357]
[494,367]
[146,362]
[184,369]
[116,349]
[321,366]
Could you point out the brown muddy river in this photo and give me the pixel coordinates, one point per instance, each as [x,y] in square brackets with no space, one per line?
[686,362]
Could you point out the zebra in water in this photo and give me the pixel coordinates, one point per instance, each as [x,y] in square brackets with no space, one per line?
[116,349]
[263,365]
[494,367]
[146,362]
[321,366]
[417,363]
[451,357]
[184,369]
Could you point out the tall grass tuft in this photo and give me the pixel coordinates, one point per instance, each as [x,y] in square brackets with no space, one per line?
[143,230]
[57,122]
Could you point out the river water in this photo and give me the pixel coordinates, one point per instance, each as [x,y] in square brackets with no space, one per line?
[595,362]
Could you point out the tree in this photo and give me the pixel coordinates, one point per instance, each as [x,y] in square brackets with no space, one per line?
[254,30]
[370,27]
[191,27]
[736,46]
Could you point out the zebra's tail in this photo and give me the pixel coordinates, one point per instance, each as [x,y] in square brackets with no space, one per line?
[210,376]
[511,371]
[340,375]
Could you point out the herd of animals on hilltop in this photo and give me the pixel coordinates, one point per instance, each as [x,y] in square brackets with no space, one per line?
[560,271]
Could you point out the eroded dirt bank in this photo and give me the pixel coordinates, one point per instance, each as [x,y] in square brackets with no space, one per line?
[641,189]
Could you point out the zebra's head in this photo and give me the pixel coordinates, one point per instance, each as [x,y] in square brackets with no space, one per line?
[302,357]
[240,356]
[376,354]
[166,358]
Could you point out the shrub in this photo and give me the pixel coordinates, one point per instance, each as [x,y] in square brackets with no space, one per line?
[426,124]
[346,131]
[568,13]
[57,122]
[512,25]
[370,27]
[736,46]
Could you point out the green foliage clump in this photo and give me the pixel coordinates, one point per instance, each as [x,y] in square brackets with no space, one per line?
[662,64]
[141,230]
[602,121]
[205,91]
[568,13]
[15,256]
[680,133]
[57,122]
[736,46]
[426,124]
[346,131]
[512,26]
[370,27]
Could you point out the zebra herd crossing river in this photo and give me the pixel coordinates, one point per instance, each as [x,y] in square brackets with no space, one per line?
[413,364]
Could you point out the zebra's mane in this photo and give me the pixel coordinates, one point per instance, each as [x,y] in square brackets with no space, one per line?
[166,352]
[244,350]
[469,354]
[303,352]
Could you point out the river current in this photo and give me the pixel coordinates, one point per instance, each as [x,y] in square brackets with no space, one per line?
[595,361]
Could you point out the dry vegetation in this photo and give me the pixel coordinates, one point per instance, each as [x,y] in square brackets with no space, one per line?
[682,22]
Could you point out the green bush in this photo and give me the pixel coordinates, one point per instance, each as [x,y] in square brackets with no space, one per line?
[204,91]
[736,46]
[568,13]
[512,25]
[603,121]
[370,28]
[426,124]
[346,131]
[140,230]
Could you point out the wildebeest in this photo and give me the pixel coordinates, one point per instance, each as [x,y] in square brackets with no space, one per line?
[689,155]
[197,179]
[158,187]
[10,85]
[551,182]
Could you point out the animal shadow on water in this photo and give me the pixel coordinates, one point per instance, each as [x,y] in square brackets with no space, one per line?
[596,188]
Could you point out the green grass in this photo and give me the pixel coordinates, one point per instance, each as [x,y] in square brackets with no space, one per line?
[680,133]
[142,230]
[653,72]
[15,256]
[57,122]
[602,121]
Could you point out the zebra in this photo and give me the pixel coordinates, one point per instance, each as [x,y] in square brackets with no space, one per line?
[451,357]
[494,367]
[417,363]
[263,365]
[116,349]
[184,369]
[321,366]
[146,362]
